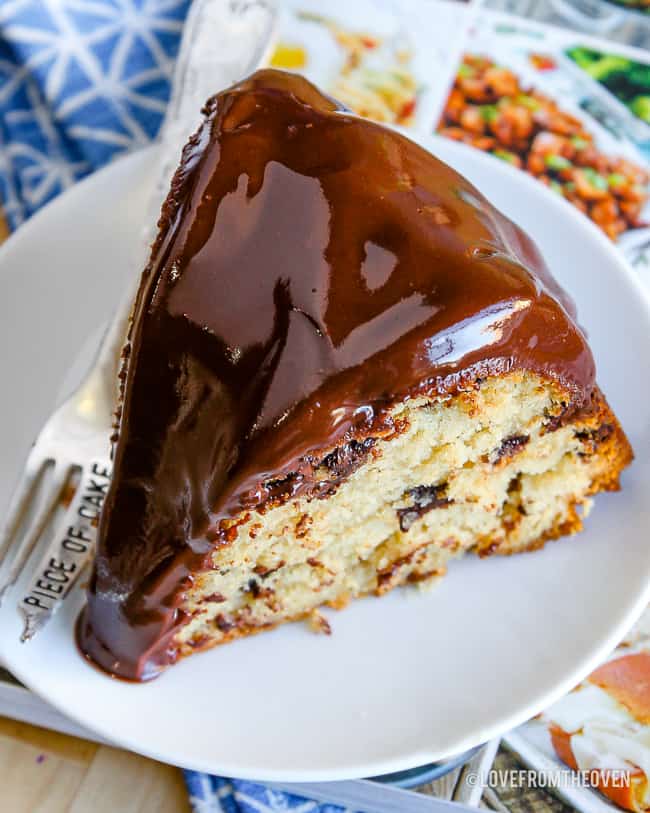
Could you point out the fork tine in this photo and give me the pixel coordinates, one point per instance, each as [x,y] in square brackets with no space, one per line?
[59,478]
[20,500]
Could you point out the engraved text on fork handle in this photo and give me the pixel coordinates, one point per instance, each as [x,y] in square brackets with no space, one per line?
[69,552]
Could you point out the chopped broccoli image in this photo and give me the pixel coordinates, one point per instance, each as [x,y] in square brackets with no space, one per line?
[627,80]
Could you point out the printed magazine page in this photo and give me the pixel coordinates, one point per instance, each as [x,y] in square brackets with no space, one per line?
[569,109]
[388,61]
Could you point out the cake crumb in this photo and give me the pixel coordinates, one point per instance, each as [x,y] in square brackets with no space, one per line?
[340,602]
[318,623]
[425,582]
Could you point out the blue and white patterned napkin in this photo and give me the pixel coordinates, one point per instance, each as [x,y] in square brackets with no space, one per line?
[211,794]
[82,81]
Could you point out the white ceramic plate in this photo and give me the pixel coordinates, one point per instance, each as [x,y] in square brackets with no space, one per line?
[403,680]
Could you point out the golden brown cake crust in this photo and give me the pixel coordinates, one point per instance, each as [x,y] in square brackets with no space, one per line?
[604,448]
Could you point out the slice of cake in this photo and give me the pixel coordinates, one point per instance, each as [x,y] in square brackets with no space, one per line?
[344,369]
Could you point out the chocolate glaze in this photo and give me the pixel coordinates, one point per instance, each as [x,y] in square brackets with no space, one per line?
[312,269]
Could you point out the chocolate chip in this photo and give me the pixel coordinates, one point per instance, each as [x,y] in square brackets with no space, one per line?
[599,435]
[224,624]
[509,447]
[591,439]
[262,571]
[339,464]
[344,460]
[425,499]
[217,598]
[556,421]
[281,490]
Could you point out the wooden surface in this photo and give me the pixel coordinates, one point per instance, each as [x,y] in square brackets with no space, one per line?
[45,772]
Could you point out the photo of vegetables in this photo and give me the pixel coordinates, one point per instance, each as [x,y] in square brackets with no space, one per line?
[627,80]
[490,108]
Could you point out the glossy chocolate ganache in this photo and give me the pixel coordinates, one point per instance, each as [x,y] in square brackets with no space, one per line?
[312,269]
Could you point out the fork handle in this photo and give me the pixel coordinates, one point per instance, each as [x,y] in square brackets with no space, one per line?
[72,549]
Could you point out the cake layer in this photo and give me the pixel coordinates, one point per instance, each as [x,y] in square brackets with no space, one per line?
[488,471]
[314,273]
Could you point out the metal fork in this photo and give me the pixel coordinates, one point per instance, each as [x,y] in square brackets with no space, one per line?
[71,450]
